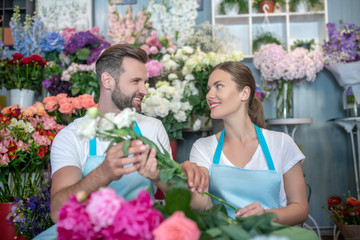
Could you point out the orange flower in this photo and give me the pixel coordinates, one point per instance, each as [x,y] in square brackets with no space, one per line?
[352,201]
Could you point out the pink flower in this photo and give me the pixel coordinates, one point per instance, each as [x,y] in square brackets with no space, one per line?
[145,48]
[102,207]
[74,223]
[154,68]
[67,33]
[4,159]
[154,50]
[177,227]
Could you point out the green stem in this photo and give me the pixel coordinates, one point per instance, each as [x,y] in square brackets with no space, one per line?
[220,200]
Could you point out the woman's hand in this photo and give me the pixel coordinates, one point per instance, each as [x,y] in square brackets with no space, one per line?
[254,208]
[198,180]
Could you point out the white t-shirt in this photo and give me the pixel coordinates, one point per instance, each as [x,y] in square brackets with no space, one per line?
[283,150]
[69,150]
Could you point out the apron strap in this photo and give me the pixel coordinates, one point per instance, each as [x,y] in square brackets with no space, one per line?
[216,158]
[92,142]
[92,148]
[265,148]
[262,142]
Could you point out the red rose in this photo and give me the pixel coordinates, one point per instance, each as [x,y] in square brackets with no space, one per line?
[334,201]
[17,56]
[36,58]
[26,60]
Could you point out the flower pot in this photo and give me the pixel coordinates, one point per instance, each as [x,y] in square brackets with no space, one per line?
[267,6]
[231,9]
[302,7]
[173,146]
[6,229]
[349,232]
[23,97]
[284,100]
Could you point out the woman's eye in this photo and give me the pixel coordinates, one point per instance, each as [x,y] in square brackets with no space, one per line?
[219,86]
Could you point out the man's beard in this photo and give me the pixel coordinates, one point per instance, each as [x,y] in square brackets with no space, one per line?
[122,101]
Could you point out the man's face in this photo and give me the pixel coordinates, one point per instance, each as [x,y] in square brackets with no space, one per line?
[130,88]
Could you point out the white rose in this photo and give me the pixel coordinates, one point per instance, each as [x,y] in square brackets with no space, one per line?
[87,128]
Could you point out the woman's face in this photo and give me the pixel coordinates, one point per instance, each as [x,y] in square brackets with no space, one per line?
[223,97]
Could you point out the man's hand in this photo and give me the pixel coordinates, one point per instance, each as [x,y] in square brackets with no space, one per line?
[198,180]
[115,161]
[148,164]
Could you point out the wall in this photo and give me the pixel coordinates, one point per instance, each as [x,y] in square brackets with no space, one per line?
[328,167]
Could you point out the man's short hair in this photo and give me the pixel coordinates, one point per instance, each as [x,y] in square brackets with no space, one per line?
[112,58]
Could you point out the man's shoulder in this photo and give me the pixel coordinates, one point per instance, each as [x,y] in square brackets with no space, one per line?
[70,130]
[147,121]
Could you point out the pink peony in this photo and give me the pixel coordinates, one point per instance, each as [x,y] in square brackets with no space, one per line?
[177,227]
[102,208]
[154,68]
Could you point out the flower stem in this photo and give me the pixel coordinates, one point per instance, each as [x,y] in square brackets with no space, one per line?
[222,201]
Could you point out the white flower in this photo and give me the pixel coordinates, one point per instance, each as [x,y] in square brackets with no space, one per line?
[172,76]
[180,116]
[92,112]
[87,128]
[28,127]
[197,125]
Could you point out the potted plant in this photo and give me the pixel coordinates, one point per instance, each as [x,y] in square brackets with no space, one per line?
[260,5]
[293,4]
[264,38]
[233,6]
[307,44]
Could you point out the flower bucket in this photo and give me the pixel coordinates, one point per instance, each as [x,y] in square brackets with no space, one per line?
[6,229]
[284,100]
[23,97]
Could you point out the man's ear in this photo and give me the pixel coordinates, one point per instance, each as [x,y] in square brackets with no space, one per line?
[245,93]
[107,80]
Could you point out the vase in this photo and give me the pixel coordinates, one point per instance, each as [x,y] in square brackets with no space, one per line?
[23,97]
[231,9]
[267,6]
[302,7]
[284,100]
[7,230]
[351,100]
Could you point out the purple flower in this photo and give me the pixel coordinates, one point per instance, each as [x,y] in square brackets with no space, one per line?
[80,40]
[95,52]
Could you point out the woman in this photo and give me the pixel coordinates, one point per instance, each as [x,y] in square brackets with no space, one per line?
[252,168]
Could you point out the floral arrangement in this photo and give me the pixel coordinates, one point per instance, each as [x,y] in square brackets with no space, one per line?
[3,50]
[24,72]
[97,212]
[27,37]
[52,45]
[344,43]
[83,79]
[67,109]
[261,93]
[156,47]
[3,63]
[53,83]
[25,142]
[126,29]
[32,216]
[176,21]
[275,64]
[85,47]
[168,104]
[344,210]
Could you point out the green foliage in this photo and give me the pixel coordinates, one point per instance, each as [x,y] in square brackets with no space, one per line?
[308,44]
[311,3]
[85,82]
[264,38]
[241,4]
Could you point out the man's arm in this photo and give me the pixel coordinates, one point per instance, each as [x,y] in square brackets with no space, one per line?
[68,180]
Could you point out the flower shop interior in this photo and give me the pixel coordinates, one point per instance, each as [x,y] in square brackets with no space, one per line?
[322,115]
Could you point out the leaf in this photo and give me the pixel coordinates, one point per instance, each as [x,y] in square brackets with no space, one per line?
[83,54]
[214,232]
[166,175]
[178,198]
[121,132]
[194,100]
[126,146]
[236,232]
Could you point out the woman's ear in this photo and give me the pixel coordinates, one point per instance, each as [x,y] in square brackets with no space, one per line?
[245,93]
[107,80]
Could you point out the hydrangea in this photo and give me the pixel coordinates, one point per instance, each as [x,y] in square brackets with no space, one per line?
[276,64]
[52,42]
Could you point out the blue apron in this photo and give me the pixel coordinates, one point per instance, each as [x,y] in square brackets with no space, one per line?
[241,187]
[128,186]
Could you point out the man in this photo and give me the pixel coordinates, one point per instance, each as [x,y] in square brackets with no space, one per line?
[80,165]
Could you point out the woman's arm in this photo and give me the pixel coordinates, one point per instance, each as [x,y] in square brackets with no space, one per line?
[297,210]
